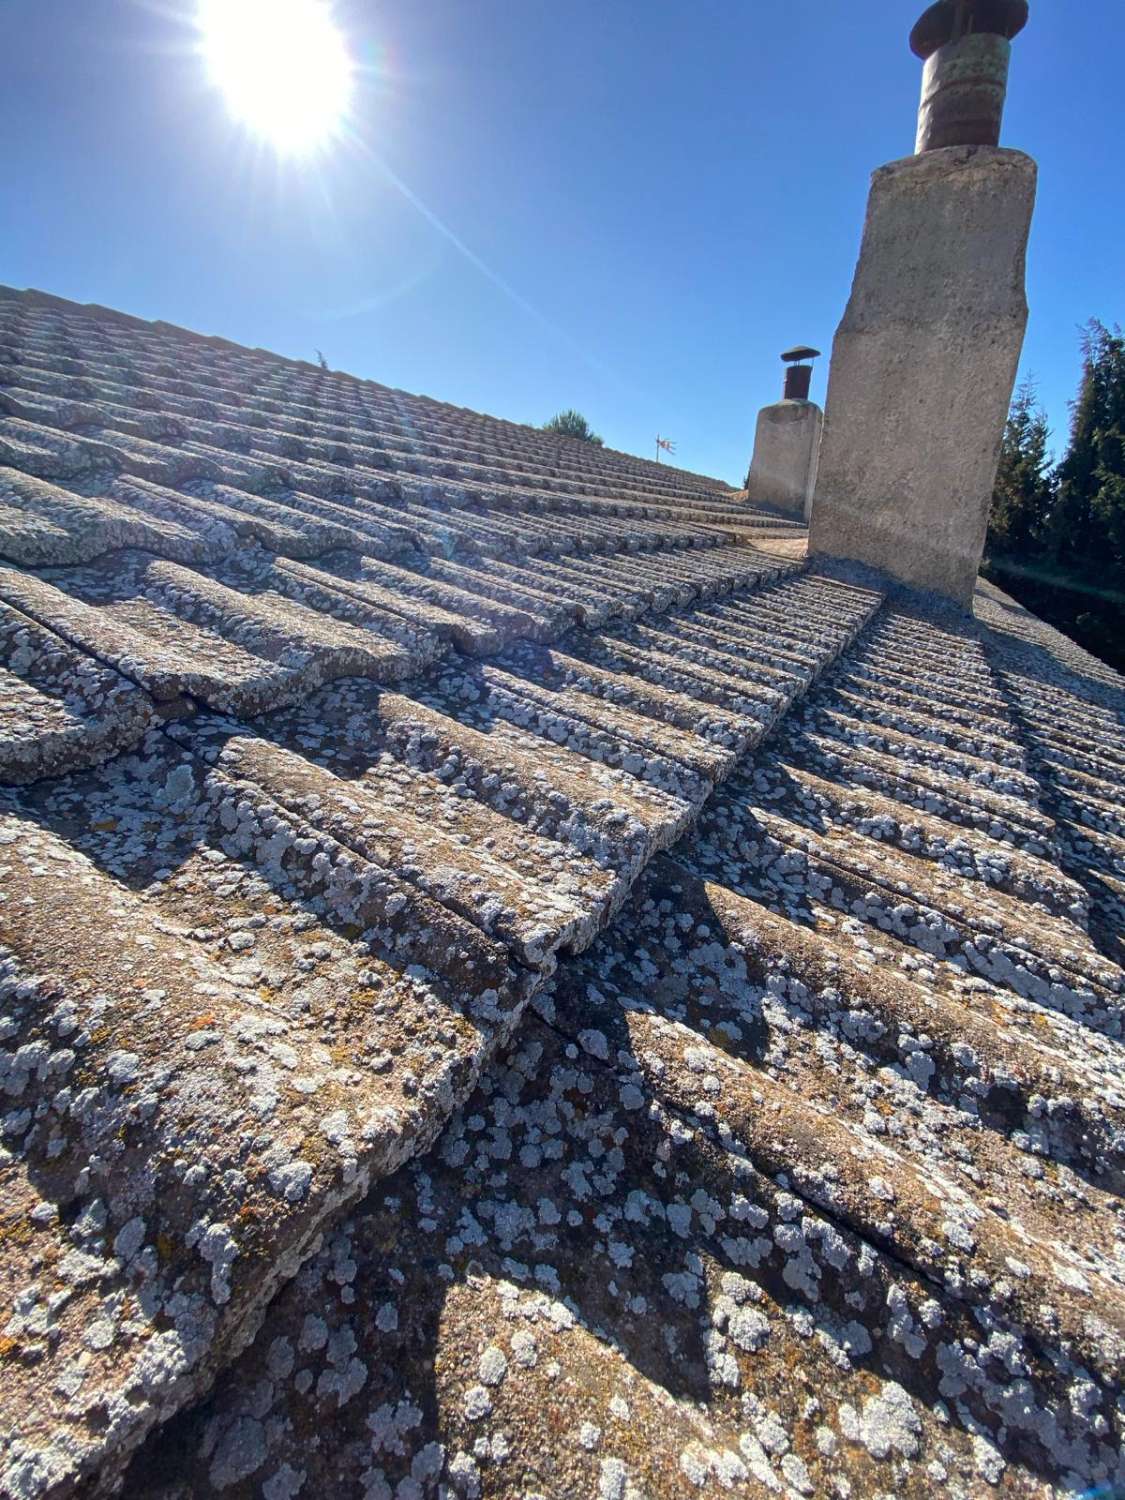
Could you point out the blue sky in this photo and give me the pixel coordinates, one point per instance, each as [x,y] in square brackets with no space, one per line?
[625,207]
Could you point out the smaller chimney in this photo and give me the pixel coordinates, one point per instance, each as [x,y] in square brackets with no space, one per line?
[787,442]
[966,46]
[798,373]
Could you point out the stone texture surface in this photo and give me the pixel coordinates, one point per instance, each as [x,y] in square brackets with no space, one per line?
[923,367]
[507,990]
[804,1179]
[786,447]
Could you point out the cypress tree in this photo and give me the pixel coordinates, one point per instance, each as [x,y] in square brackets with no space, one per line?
[1024,491]
[1087,530]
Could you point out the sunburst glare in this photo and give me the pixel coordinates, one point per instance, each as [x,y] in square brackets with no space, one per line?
[282,66]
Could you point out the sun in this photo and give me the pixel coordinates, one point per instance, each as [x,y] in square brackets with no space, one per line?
[282,66]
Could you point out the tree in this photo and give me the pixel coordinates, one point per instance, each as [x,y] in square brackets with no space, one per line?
[1025,486]
[1087,531]
[573,424]
[1057,538]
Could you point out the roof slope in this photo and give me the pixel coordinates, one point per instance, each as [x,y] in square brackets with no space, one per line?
[338,726]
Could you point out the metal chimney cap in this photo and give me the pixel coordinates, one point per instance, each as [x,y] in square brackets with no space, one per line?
[802,351]
[950,20]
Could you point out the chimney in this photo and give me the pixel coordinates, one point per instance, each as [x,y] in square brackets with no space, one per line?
[787,440]
[966,49]
[925,359]
[798,372]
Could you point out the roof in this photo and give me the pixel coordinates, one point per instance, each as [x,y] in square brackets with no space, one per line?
[510,989]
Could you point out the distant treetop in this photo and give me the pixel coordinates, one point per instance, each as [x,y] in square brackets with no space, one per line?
[573,424]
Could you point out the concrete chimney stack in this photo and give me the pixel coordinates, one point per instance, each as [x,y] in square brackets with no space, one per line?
[924,361]
[787,441]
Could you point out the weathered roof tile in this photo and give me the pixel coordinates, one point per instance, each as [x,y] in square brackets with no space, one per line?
[338,724]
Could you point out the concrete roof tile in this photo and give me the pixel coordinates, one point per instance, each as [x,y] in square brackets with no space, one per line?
[337,725]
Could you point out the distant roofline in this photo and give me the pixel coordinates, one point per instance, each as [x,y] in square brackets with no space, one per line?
[131,320]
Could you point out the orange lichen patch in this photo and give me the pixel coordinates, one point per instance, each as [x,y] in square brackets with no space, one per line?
[16,1229]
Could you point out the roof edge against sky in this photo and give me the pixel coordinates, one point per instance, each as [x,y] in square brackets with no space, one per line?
[133,320]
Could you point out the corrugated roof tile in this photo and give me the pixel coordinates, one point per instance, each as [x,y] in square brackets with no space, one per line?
[337,724]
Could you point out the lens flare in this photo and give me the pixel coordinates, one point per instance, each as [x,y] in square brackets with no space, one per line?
[282,67]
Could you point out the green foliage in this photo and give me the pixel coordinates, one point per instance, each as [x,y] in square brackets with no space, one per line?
[1087,530]
[573,424]
[1056,538]
[1025,486]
